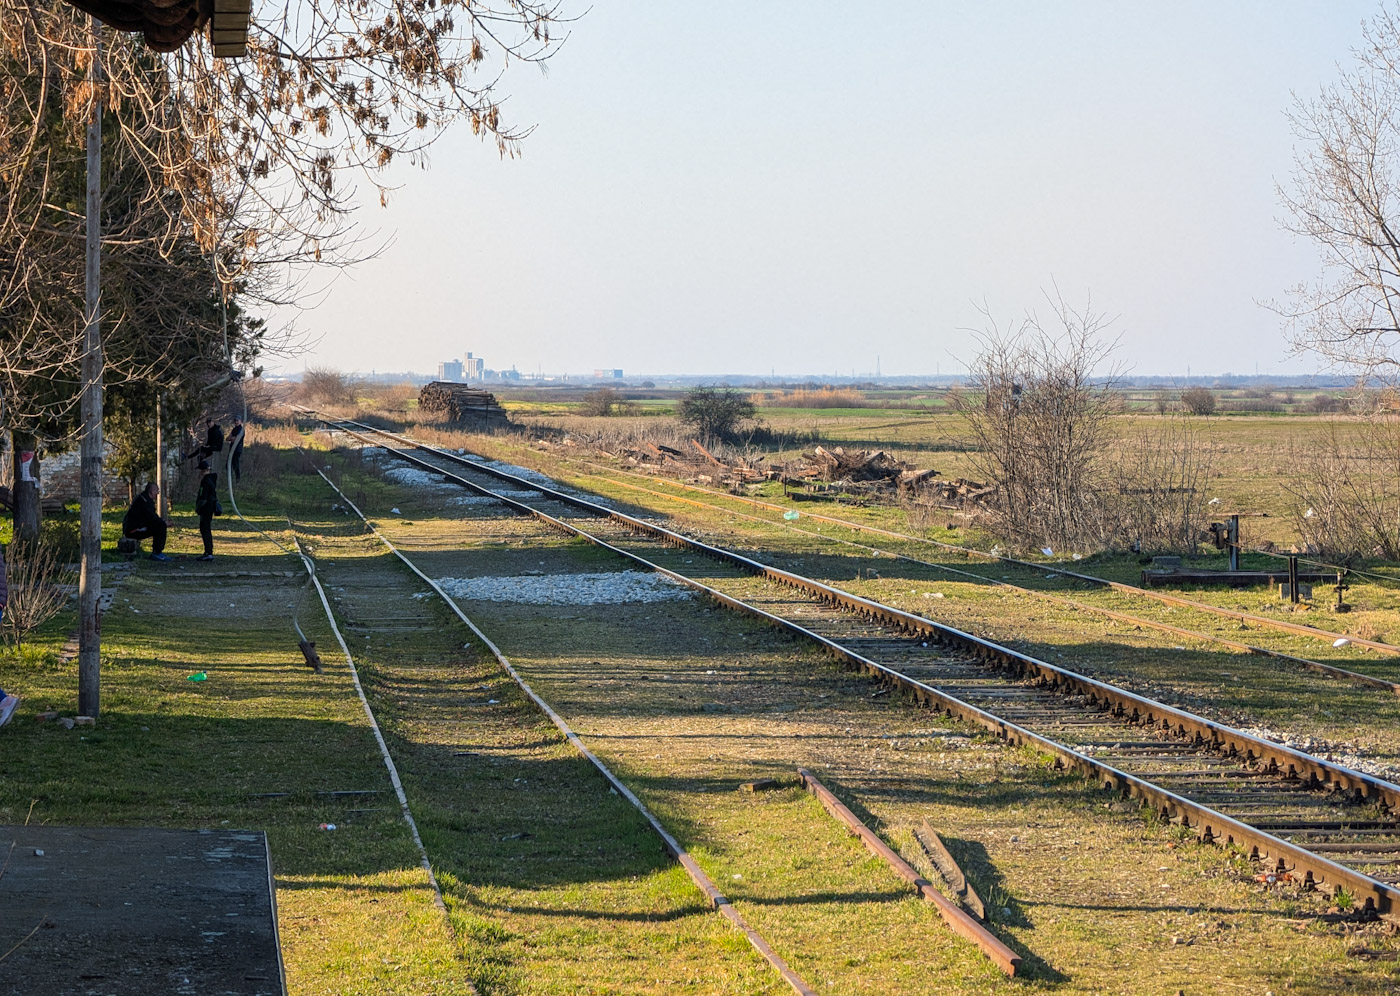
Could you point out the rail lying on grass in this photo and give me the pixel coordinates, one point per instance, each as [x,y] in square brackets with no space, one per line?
[717,900]
[1175,726]
[953,915]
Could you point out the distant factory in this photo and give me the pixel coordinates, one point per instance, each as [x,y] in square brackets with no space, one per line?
[473,369]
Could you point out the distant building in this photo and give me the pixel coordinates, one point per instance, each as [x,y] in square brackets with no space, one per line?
[473,368]
[511,374]
[609,374]
[450,370]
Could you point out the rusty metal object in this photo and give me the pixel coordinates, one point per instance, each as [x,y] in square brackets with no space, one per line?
[1307,664]
[1301,769]
[947,865]
[716,899]
[1265,621]
[953,914]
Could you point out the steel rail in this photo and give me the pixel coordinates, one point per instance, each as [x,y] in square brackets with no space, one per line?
[1210,824]
[1331,670]
[1278,624]
[717,900]
[953,915]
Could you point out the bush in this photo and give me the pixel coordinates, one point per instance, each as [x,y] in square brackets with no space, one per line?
[715,412]
[602,402]
[1199,400]
[1324,403]
[34,574]
[320,386]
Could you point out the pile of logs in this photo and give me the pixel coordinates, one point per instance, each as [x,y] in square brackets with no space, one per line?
[460,403]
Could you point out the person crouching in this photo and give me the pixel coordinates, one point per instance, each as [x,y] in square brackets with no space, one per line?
[143,520]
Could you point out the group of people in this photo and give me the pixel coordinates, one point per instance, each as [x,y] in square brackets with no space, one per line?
[144,521]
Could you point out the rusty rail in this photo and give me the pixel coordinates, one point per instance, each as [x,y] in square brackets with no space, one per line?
[717,900]
[1331,670]
[953,914]
[1278,624]
[1209,824]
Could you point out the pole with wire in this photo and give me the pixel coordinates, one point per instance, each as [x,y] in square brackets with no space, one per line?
[90,507]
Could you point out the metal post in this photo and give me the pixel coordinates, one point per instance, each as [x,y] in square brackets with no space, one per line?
[1234,541]
[90,508]
[1293,580]
[162,504]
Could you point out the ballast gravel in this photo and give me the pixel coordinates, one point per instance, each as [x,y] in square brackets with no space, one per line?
[611,588]
[386,463]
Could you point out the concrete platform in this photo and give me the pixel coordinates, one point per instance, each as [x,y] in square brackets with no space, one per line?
[137,911]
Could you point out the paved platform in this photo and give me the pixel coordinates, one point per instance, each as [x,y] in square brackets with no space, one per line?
[111,911]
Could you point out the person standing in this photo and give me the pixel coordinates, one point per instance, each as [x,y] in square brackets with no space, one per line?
[206,506]
[7,702]
[143,520]
[235,448]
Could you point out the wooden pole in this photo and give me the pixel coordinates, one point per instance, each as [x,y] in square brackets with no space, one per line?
[90,497]
[162,504]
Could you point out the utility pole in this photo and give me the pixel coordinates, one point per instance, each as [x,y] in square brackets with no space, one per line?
[90,507]
[162,506]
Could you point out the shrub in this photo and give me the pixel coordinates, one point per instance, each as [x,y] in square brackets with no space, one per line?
[715,412]
[34,573]
[1199,400]
[602,402]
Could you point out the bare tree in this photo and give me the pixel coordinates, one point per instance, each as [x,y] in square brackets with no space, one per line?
[1161,472]
[1346,488]
[603,401]
[1199,400]
[1040,399]
[1345,198]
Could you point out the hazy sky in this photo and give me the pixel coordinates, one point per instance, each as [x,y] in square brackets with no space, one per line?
[739,187]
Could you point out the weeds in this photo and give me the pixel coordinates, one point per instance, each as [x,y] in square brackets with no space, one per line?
[35,575]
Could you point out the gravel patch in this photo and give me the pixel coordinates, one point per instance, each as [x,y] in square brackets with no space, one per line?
[612,588]
[413,476]
[1341,753]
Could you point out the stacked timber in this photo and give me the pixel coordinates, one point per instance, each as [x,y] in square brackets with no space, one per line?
[460,403]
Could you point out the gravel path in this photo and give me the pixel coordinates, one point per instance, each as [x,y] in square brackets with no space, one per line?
[611,588]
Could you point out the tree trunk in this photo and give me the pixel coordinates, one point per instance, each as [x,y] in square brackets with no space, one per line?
[28,511]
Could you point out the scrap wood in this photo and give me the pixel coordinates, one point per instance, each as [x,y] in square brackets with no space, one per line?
[947,865]
[707,454]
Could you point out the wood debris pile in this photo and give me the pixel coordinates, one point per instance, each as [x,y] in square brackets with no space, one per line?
[460,403]
[856,473]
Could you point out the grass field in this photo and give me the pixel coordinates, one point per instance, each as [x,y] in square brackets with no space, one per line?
[553,885]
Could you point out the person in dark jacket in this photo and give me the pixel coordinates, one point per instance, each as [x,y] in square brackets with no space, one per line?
[235,448]
[143,520]
[206,505]
[7,702]
[213,442]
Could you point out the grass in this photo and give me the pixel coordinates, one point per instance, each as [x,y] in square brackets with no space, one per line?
[552,883]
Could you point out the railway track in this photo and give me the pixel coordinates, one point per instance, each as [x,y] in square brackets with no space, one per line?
[1302,818]
[1281,625]
[1305,663]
